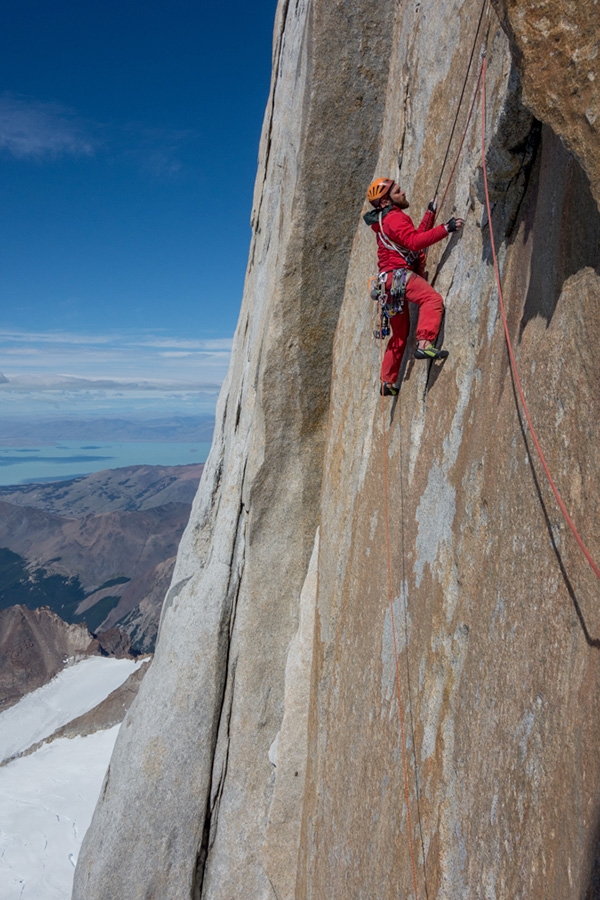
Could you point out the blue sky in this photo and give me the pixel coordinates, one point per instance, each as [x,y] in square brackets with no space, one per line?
[128,145]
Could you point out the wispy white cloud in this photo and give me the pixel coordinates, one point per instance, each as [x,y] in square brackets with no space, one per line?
[186,344]
[47,360]
[155,151]
[121,338]
[53,337]
[20,351]
[31,129]
[36,382]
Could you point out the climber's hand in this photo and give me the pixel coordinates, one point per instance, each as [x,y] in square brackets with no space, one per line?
[455,224]
[432,205]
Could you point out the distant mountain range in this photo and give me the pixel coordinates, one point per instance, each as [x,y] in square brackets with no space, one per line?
[128,488]
[183,429]
[98,549]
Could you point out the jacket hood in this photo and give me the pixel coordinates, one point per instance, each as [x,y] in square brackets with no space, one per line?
[372,217]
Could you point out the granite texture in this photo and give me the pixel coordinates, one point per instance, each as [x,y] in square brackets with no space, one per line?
[185,806]
[555,44]
[494,613]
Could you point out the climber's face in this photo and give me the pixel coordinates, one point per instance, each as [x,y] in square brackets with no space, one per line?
[398,197]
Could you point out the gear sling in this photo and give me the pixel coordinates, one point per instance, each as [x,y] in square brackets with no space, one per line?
[392,303]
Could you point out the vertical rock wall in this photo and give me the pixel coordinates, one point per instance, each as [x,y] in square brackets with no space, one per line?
[262,757]
[495,610]
[184,809]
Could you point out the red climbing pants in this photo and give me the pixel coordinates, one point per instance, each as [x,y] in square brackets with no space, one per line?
[431,307]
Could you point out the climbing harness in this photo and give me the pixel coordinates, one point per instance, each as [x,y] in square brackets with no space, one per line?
[391,304]
[378,293]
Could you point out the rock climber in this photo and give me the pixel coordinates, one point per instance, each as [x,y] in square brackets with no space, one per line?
[401,262]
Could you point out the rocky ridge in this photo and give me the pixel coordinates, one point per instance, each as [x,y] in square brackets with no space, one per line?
[262,756]
[100,548]
[36,644]
[126,488]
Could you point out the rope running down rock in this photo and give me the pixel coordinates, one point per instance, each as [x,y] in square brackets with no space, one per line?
[511,355]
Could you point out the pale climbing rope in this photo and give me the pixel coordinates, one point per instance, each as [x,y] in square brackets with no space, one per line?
[511,355]
[460,100]
[395,641]
[459,151]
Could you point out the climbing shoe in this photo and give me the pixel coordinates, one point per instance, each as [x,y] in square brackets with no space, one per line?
[388,390]
[430,352]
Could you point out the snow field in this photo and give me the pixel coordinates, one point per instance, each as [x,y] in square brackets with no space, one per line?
[74,691]
[46,805]
[47,798]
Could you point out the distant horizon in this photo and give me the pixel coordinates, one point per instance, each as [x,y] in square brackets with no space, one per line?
[68,460]
[58,449]
[61,372]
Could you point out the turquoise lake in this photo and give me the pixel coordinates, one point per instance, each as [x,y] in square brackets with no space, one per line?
[69,459]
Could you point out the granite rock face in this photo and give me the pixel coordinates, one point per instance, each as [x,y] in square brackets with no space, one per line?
[185,806]
[556,44]
[262,757]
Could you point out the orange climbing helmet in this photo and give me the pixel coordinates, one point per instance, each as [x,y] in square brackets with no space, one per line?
[378,190]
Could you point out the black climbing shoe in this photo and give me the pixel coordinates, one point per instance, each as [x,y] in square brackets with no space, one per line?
[388,390]
[430,352]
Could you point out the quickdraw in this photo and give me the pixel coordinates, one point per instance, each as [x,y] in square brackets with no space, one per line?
[389,304]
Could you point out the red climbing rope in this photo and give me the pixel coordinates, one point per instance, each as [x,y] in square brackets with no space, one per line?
[396,656]
[481,81]
[511,355]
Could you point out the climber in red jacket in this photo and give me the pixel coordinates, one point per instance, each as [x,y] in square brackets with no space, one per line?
[401,261]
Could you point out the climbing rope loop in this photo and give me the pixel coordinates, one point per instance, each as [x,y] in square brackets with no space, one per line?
[511,354]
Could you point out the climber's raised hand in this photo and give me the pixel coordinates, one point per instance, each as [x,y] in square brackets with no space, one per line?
[454,224]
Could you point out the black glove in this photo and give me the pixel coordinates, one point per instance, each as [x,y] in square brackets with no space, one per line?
[432,206]
[451,224]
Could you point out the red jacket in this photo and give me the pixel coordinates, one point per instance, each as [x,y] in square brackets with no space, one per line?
[398,227]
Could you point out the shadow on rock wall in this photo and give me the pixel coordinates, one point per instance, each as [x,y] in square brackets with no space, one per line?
[536,183]
[511,153]
[567,227]
[591,640]
[592,889]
